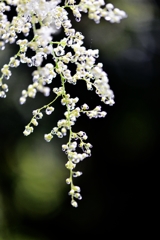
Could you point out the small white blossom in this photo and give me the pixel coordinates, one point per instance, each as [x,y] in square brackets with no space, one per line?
[28,130]
[77,174]
[49,110]
[70,165]
[78,196]
[48,137]
[68,181]
[34,122]
[74,203]
[59,51]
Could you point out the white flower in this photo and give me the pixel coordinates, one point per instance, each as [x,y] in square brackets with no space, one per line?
[48,137]
[49,110]
[74,203]
[28,130]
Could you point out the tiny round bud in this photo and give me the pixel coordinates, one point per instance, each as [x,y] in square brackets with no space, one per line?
[74,203]
[78,196]
[109,6]
[68,181]
[77,174]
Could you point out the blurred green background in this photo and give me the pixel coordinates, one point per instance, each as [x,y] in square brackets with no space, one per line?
[117,181]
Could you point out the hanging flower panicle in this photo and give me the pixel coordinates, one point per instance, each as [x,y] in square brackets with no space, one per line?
[52,16]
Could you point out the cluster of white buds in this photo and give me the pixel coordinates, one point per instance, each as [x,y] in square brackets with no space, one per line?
[95,113]
[74,158]
[45,18]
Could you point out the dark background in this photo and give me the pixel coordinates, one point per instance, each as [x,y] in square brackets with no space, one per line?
[119,179]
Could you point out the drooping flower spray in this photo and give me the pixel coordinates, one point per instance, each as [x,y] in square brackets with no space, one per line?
[51,16]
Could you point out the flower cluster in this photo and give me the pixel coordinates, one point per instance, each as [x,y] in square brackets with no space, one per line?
[45,18]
